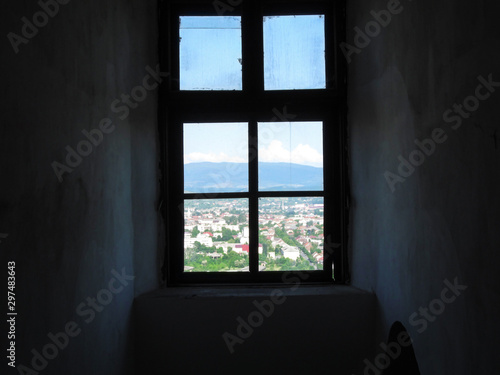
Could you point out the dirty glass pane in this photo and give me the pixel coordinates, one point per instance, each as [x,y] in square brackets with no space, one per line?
[210,53]
[216,235]
[290,156]
[215,157]
[291,233]
[294,52]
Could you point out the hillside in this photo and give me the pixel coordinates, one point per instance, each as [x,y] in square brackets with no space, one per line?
[232,177]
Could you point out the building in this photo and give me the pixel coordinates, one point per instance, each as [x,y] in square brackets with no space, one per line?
[244,248]
[202,238]
[291,252]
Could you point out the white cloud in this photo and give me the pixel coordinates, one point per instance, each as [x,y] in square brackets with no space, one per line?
[302,154]
[273,153]
[305,154]
[199,157]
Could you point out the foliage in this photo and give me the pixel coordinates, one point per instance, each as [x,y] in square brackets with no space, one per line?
[231,220]
[204,263]
[227,235]
[195,232]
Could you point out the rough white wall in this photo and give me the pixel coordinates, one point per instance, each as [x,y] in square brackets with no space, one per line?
[442,221]
[67,237]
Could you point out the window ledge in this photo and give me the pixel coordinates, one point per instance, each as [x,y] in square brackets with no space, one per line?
[255,291]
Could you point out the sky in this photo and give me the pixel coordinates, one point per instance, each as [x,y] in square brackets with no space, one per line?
[210,59]
[285,142]
[210,53]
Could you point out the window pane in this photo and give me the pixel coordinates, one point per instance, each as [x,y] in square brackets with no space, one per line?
[216,235]
[294,52]
[216,158]
[210,53]
[290,156]
[291,231]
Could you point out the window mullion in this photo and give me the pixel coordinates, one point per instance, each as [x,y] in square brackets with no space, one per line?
[253,180]
[252,48]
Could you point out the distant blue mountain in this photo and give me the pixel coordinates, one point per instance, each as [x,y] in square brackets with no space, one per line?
[233,177]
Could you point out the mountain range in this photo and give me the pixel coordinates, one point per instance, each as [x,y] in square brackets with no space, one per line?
[233,177]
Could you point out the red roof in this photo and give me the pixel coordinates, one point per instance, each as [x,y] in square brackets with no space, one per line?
[246,247]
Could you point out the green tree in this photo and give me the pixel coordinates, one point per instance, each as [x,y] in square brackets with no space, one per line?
[278,251]
[231,220]
[315,248]
[233,259]
[195,232]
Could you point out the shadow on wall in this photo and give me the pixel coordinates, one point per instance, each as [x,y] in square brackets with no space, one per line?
[406,362]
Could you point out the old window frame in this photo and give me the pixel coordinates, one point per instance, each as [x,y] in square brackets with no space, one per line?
[253,104]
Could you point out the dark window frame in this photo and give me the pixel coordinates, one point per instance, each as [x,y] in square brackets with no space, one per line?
[253,104]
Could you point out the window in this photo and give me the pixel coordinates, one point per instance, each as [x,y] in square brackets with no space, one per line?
[252,125]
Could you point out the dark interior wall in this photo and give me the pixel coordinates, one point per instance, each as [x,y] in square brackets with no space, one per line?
[67,237]
[306,330]
[442,221]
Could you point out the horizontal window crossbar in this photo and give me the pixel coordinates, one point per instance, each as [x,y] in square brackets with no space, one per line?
[260,194]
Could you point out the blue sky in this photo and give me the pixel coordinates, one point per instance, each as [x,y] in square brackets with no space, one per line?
[210,51]
[293,142]
[294,52]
